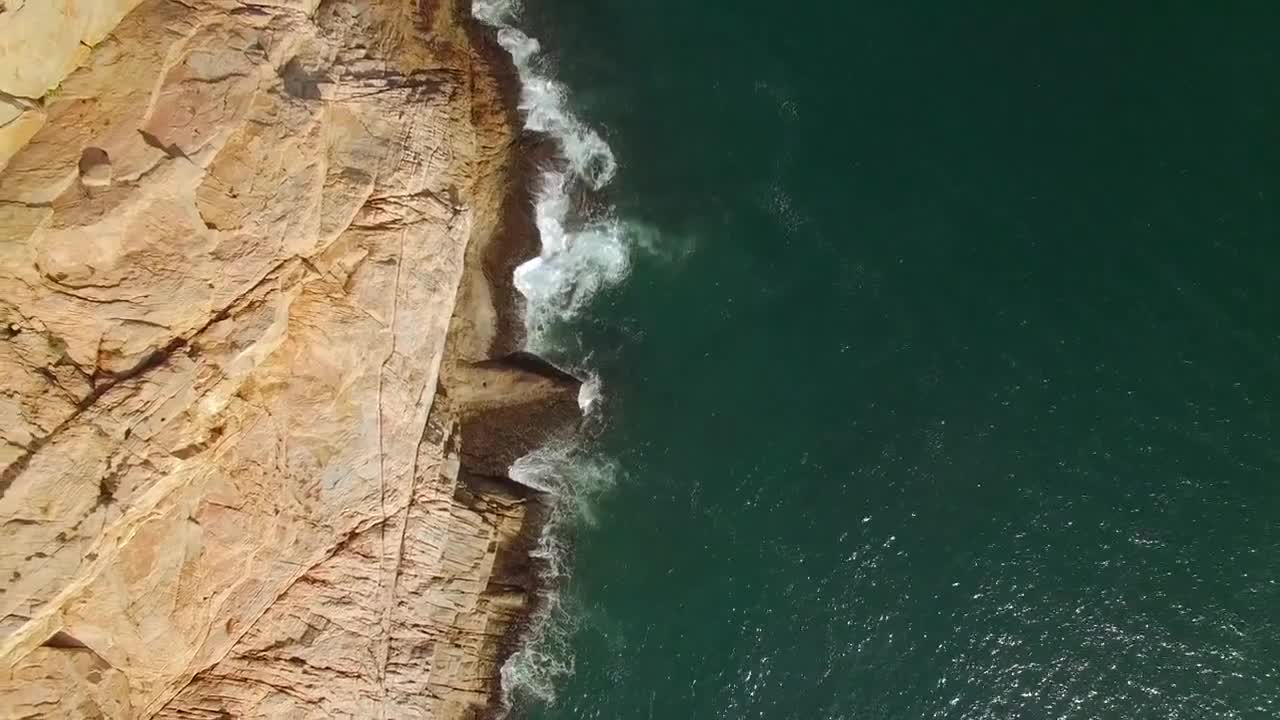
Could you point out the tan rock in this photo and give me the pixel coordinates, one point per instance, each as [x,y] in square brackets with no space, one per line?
[41,41]
[253,435]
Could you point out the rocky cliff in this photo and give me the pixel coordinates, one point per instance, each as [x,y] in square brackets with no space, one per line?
[258,394]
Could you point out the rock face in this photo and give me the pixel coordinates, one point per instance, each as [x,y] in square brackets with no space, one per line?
[256,409]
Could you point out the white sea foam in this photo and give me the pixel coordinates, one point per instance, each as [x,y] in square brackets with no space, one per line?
[572,266]
[589,394]
[572,480]
[495,12]
[576,260]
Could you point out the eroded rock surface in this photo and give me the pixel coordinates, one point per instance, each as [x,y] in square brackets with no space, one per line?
[253,424]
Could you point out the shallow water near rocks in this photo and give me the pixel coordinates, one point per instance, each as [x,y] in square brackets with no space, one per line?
[943,382]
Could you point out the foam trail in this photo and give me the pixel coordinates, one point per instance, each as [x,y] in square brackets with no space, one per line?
[573,479]
[572,266]
[575,262]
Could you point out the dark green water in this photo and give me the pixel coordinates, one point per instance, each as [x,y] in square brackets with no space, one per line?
[950,388]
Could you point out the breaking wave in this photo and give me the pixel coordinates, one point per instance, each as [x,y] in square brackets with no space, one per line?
[577,259]
[572,478]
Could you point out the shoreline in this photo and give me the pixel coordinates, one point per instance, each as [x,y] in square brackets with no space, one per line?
[557,241]
[513,240]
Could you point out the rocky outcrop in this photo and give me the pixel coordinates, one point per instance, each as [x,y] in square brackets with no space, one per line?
[259,398]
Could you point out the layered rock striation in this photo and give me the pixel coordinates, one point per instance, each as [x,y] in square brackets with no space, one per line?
[257,340]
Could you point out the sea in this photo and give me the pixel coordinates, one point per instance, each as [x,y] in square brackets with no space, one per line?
[932,356]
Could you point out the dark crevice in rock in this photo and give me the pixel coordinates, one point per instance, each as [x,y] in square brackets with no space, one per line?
[530,363]
[171,150]
[103,381]
[63,639]
[301,82]
[501,485]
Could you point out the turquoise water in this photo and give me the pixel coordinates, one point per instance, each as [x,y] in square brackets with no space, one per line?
[943,381]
